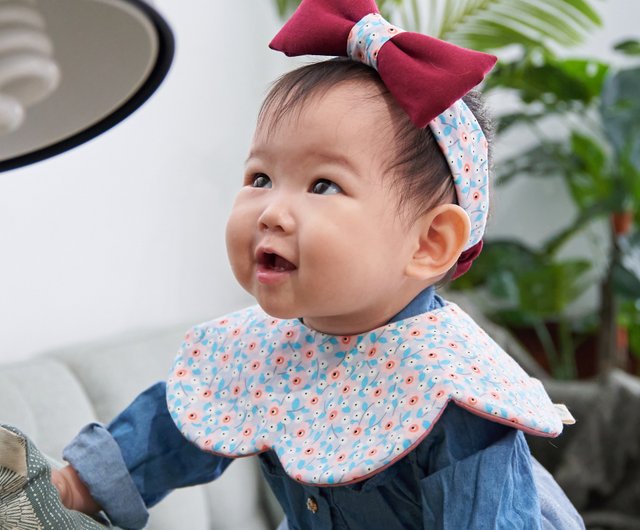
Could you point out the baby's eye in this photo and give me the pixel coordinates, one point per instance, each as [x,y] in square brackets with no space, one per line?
[325,187]
[260,180]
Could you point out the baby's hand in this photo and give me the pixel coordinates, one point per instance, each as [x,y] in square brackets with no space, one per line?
[73,493]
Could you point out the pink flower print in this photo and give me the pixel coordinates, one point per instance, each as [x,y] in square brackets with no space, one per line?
[472,400]
[377,392]
[295,381]
[415,333]
[309,354]
[409,380]
[333,414]
[432,355]
[452,375]
[252,346]
[413,400]
[309,451]
[257,394]
[453,345]
[389,365]
[236,390]
[208,442]
[255,365]
[335,374]
[495,395]
[226,418]
[314,400]
[413,428]
[247,431]
[388,426]
[181,373]
[225,357]
[341,457]
[300,433]
[372,352]
[280,360]
[236,332]
[440,394]
[206,394]
[274,411]
[195,352]
[346,389]
[464,137]
[193,416]
[356,431]
[345,340]
[476,369]
[432,319]
[289,334]
[372,452]
[224,321]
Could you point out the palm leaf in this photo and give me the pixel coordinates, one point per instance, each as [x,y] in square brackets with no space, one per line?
[493,24]
[488,25]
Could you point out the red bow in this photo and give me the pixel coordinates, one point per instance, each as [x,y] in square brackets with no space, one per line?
[466,259]
[424,74]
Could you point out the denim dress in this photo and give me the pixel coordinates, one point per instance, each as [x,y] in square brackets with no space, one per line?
[468,473]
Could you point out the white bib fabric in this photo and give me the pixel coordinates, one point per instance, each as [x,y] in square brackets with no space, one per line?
[339,409]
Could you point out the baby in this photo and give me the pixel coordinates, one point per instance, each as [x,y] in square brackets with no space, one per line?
[370,401]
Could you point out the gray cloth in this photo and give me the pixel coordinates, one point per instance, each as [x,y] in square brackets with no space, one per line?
[28,499]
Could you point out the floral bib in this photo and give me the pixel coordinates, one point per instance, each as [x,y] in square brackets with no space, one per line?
[337,409]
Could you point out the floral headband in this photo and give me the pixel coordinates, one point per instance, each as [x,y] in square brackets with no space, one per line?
[426,76]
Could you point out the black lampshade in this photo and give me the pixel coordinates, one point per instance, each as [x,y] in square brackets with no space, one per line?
[109,57]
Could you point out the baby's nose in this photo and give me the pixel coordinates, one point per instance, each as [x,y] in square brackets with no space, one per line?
[277,216]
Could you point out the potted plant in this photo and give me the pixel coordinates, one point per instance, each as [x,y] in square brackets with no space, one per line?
[599,160]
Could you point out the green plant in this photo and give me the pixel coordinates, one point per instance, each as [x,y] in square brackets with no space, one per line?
[598,158]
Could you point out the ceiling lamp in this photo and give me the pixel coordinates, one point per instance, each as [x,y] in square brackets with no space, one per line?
[71,69]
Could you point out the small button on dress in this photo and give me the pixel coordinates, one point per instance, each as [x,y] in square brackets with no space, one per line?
[312,505]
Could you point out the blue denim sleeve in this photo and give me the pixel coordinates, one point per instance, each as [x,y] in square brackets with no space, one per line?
[477,474]
[557,511]
[491,489]
[480,474]
[138,459]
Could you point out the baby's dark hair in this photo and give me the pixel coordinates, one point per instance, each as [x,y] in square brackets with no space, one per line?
[421,172]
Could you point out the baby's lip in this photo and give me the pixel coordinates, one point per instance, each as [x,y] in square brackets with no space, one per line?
[269,259]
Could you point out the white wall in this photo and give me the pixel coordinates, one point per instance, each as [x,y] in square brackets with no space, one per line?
[126,231]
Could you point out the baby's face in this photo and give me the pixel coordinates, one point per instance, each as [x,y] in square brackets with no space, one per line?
[314,232]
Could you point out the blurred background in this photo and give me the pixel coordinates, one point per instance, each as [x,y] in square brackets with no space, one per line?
[124,234]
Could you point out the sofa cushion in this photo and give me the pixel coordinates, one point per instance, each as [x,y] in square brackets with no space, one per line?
[44,399]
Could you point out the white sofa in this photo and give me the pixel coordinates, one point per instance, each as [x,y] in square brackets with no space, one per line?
[50,397]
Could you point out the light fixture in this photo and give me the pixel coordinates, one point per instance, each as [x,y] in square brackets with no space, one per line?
[71,69]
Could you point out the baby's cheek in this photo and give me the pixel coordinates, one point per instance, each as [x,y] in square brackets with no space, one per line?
[238,239]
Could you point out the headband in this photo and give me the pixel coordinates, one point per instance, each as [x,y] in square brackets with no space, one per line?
[426,76]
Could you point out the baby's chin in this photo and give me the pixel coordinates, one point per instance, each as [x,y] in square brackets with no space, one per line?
[278,311]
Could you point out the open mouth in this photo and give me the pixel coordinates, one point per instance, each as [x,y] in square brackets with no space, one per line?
[270,261]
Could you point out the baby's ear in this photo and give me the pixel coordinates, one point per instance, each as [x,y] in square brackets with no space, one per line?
[441,234]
